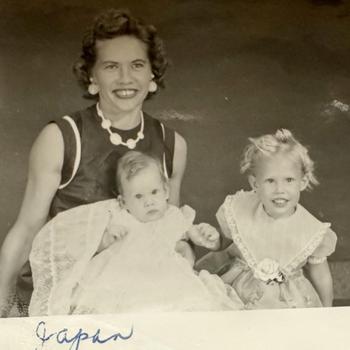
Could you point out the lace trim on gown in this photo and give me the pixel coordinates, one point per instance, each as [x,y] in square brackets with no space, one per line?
[60,253]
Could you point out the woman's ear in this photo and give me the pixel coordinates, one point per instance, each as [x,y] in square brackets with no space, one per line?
[252,182]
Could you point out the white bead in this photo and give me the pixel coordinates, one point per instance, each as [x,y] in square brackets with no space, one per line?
[131,144]
[140,135]
[115,139]
[106,124]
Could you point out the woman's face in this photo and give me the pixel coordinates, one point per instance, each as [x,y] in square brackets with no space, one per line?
[122,72]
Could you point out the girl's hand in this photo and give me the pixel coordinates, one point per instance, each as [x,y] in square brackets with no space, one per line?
[112,234]
[205,235]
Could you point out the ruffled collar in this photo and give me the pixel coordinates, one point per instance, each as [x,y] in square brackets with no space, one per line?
[256,234]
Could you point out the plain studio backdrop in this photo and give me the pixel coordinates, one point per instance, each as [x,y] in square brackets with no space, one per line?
[238,69]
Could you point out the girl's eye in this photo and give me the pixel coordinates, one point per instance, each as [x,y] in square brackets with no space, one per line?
[138,196]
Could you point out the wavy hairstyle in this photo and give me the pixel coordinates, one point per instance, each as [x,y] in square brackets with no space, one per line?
[111,24]
[271,144]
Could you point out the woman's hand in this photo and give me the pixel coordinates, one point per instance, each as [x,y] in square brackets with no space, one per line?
[205,235]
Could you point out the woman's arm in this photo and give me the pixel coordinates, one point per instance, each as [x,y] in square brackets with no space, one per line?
[321,278]
[44,175]
[179,166]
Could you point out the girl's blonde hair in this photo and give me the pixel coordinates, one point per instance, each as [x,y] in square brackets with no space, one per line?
[269,145]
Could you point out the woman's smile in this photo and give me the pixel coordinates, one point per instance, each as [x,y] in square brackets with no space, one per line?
[125,93]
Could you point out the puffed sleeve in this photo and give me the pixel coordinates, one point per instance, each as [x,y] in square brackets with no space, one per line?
[188,216]
[221,216]
[326,248]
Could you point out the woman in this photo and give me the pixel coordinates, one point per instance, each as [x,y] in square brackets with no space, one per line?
[73,160]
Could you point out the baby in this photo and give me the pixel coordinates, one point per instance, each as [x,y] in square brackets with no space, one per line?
[144,193]
[122,255]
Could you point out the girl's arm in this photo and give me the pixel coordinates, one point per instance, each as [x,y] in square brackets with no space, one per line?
[44,176]
[179,166]
[321,278]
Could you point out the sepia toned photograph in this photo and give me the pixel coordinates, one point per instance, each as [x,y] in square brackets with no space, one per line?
[164,157]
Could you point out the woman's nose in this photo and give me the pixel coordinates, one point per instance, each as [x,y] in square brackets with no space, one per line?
[125,75]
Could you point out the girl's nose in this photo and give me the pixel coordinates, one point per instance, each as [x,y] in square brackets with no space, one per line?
[279,188]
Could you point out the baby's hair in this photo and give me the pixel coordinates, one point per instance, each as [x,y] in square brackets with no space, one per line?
[131,163]
[269,145]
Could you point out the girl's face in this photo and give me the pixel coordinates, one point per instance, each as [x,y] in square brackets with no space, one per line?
[122,72]
[145,195]
[278,181]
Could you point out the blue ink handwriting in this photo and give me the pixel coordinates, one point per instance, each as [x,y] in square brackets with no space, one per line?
[62,336]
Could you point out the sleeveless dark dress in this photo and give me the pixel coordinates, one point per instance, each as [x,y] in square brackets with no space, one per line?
[92,159]
[95,176]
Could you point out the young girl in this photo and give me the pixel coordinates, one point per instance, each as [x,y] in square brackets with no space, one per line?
[121,256]
[273,236]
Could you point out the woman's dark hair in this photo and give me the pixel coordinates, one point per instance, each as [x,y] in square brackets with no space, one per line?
[113,23]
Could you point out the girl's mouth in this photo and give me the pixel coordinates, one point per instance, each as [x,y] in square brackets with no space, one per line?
[280,202]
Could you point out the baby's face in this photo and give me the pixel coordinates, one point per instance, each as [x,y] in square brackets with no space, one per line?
[145,195]
[278,182]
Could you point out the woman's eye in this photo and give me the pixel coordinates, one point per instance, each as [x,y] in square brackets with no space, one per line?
[154,191]
[111,66]
[138,196]
[138,65]
[270,181]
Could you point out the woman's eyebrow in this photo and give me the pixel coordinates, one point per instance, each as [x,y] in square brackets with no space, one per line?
[140,60]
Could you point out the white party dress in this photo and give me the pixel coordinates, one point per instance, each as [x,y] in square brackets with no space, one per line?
[270,254]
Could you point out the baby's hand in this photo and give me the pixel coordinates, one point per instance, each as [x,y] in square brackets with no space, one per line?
[205,235]
[112,234]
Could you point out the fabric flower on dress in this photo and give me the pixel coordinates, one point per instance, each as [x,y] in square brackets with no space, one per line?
[268,270]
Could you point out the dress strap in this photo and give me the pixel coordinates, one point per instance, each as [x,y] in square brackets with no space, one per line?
[169,148]
[72,149]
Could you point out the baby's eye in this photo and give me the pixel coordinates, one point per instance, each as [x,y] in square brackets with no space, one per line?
[138,196]
[290,179]
[155,191]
